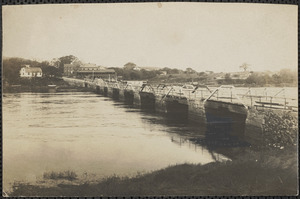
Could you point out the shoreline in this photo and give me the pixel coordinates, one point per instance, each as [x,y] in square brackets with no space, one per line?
[43,89]
[268,172]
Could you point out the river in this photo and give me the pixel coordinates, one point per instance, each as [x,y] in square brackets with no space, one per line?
[91,135]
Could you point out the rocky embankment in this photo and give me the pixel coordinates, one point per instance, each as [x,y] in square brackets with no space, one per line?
[272,128]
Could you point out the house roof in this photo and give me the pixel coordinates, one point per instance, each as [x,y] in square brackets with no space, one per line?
[33,70]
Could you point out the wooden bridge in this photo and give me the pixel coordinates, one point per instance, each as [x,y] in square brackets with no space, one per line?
[224,109]
[185,93]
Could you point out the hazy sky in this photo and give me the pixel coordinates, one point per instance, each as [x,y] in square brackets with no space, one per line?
[204,36]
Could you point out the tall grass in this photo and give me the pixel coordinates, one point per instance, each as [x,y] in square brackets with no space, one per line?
[253,173]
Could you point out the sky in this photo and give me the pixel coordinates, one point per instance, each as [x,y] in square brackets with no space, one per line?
[204,36]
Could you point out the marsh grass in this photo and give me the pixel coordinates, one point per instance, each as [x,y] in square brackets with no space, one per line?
[253,173]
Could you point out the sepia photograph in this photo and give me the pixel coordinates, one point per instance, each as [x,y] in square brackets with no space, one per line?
[150,99]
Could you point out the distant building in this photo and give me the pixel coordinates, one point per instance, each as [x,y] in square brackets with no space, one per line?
[163,72]
[89,71]
[30,72]
[96,72]
[90,67]
[70,69]
[137,68]
[219,76]
[208,72]
[129,66]
[240,75]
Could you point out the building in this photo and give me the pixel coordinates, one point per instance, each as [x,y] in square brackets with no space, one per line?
[240,75]
[89,71]
[30,72]
[163,72]
[70,69]
[219,76]
[96,72]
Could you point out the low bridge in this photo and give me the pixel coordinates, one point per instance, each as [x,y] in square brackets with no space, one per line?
[221,108]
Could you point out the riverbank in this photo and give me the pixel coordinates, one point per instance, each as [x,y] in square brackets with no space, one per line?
[42,85]
[268,172]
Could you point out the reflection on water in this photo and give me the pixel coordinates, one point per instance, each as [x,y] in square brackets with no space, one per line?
[87,133]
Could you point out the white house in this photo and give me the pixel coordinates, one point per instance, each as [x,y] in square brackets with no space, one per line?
[28,71]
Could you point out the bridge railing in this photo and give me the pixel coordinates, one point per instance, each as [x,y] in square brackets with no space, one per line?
[274,102]
[226,93]
[253,97]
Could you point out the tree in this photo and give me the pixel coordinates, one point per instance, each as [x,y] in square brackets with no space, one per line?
[129,66]
[12,67]
[60,62]
[135,75]
[287,76]
[190,70]
[256,79]
[49,70]
[245,66]
[228,79]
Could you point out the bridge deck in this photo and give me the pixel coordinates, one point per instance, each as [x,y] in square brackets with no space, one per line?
[223,94]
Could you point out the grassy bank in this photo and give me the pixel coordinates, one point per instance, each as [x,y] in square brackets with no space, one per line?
[271,172]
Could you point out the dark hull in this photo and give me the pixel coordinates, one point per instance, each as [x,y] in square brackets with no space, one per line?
[225,119]
[147,100]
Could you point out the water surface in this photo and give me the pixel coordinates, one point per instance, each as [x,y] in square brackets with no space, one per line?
[90,134]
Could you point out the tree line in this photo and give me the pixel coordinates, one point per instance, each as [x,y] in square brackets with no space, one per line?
[12,67]
[284,76]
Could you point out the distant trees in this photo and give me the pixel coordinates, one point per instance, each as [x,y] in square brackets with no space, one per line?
[228,79]
[49,70]
[190,71]
[128,73]
[256,79]
[129,66]
[284,76]
[172,70]
[244,66]
[69,59]
[288,76]
[12,67]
